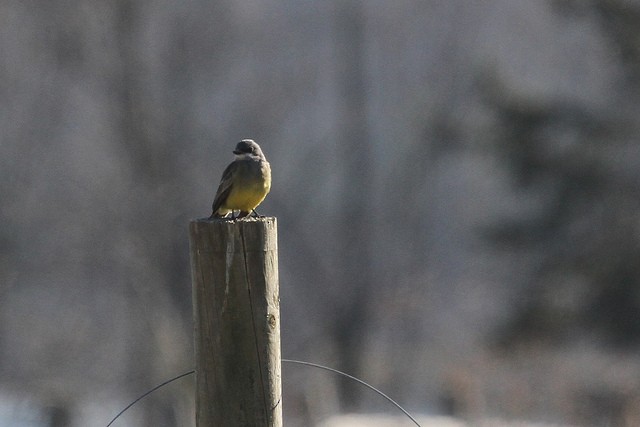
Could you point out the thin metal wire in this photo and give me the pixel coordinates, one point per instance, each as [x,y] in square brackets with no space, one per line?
[359,381]
[148,393]
[297,362]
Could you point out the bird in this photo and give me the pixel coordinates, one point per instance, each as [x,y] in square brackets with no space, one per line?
[244,184]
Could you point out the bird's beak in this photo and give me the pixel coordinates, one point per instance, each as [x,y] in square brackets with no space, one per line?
[237,152]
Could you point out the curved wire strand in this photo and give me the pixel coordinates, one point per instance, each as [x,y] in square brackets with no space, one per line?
[297,362]
[148,393]
[359,381]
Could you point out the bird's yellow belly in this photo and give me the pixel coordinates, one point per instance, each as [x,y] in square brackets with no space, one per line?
[245,199]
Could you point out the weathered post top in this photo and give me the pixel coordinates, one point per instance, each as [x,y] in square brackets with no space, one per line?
[236,307]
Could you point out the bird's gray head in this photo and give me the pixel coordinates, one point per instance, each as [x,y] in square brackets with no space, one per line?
[248,148]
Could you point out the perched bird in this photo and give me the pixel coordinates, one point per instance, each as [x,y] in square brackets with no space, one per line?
[245,182]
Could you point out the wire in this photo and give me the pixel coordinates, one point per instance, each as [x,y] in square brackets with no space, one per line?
[359,381]
[297,362]
[148,393]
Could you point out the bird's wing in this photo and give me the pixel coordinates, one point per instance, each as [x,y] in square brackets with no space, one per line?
[225,187]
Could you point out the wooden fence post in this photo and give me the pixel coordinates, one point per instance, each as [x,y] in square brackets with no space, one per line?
[236,308]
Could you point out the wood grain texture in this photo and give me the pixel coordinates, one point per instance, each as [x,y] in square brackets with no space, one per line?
[236,308]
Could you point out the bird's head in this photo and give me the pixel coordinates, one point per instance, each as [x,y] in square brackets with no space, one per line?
[247,148]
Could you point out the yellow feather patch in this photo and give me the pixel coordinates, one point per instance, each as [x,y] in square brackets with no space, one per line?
[245,199]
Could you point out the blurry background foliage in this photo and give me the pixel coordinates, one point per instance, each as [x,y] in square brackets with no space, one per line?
[456,185]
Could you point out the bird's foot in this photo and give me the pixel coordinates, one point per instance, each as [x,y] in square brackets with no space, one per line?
[243,214]
[221,217]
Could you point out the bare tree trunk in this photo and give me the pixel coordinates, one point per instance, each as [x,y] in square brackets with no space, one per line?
[350,321]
